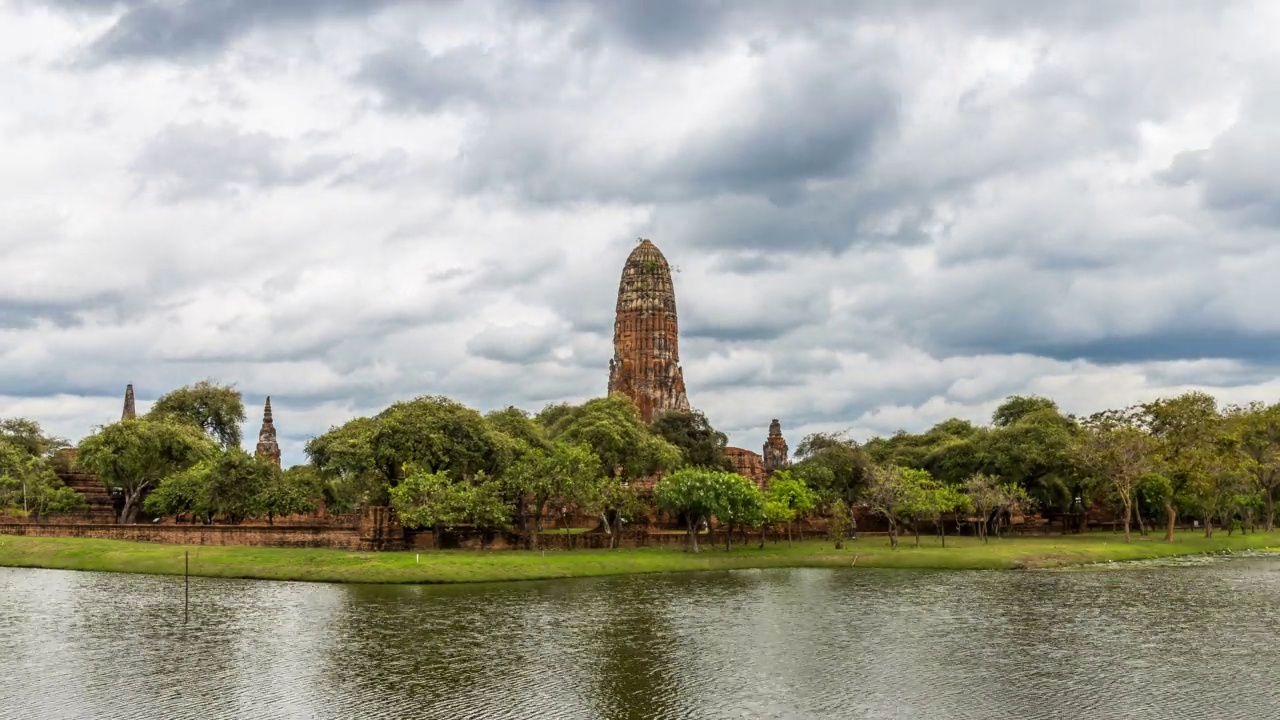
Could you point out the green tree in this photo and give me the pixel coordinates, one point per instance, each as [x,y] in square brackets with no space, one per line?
[1034,446]
[891,493]
[700,444]
[1187,430]
[833,465]
[216,409]
[1120,456]
[985,498]
[561,478]
[740,504]
[790,492]
[238,484]
[429,499]
[135,455]
[526,435]
[1016,407]
[344,457]
[929,500]
[28,483]
[432,433]
[839,522]
[612,428]
[774,514]
[438,501]
[26,436]
[437,434]
[519,425]
[1254,430]
[691,492]
[183,492]
[288,493]
[35,490]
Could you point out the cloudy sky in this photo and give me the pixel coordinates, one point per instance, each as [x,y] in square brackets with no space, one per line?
[884,214]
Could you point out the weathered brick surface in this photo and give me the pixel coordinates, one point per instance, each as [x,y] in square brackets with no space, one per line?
[775,449]
[313,537]
[130,411]
[646,344]
[747,464]
[372,529]
[268,447]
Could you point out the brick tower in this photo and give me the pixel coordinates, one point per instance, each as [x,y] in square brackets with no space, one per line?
[646,350]
[268,448]
[775,449]
[130,409]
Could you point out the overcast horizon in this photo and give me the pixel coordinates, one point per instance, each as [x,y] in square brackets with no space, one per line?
[883,214]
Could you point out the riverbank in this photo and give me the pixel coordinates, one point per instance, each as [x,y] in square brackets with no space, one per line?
[458,566]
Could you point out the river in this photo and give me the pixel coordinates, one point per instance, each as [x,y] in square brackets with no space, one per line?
[1193,641]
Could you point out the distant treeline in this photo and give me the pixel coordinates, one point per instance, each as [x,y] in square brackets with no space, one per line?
[441,464]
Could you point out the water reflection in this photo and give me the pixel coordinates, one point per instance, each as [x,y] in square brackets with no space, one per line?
[1158,642]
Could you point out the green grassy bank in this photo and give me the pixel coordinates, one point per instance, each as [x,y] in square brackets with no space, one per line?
[454,566]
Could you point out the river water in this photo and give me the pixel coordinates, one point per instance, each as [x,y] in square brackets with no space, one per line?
[1198,641]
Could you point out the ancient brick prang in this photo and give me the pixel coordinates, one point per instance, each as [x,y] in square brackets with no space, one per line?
[646,350]
[267,446]
[775,449]
[130,412]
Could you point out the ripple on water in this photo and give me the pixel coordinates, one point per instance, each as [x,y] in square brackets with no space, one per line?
[1155,642]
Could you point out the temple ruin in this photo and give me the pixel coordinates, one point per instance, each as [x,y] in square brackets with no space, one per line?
[130,411]
[268,448]
[646,345]
[646,355]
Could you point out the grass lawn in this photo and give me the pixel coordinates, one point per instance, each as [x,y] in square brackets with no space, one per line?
[454,566]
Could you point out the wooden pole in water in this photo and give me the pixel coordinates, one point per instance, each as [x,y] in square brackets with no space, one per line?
[186,587]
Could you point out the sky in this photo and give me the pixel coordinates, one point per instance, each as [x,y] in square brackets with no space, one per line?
[883,214]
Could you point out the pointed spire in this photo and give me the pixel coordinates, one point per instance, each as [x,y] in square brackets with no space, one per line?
[775,448]
[267,445]
[130,412]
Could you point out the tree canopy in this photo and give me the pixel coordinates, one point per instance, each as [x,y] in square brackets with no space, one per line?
[216,409]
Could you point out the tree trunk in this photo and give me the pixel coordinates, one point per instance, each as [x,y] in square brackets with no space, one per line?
[788,533]
[1172,514]
[1271,510]
[915,529]
[1142,526]
[893,535]
[693,532]
[537,530]
[728,537]
[942,533]
[762,529]
[1208,525]
[1128,510]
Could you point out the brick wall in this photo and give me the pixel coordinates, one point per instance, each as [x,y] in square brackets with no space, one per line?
[288,536]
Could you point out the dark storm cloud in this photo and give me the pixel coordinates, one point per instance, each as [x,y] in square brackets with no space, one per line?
[200,28]
[20,314]
[1236,175]
[192,29]
[676,27]
[1164,344]
[412,78]
[197,159]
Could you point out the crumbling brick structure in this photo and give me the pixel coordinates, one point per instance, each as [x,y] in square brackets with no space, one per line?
[775,449]
[747,464]
[267,446]
[646,350]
